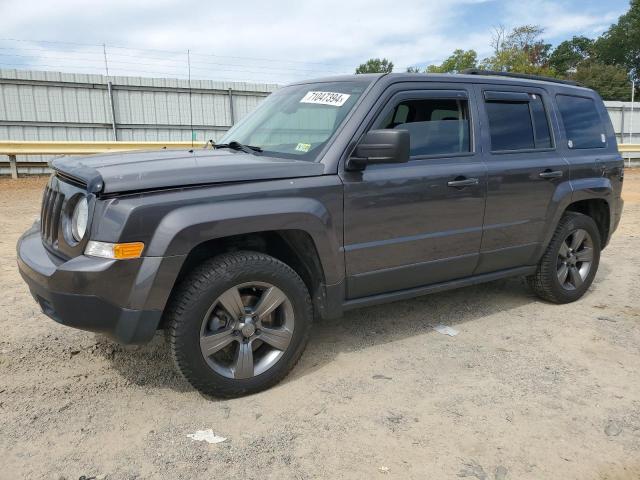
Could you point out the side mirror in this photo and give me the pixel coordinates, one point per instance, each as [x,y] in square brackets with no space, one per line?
[380,146]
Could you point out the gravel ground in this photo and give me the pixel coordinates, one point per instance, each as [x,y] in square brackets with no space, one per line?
[526,390]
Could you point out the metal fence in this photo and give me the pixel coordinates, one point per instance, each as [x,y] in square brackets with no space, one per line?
[626,121]
[54,106]
[46,106]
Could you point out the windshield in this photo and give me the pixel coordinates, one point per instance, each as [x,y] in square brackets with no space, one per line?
[297,121]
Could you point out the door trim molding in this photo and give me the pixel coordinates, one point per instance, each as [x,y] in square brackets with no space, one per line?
[437,287]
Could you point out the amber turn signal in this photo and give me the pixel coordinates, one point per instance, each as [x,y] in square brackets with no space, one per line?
[117,251]
[127,250]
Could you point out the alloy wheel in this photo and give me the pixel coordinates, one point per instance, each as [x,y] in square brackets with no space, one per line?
[246,330]
[575,258]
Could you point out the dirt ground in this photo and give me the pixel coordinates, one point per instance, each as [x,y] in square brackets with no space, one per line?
[526,390]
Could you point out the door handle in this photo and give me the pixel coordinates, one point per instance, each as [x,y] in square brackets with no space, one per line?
[548,173]
[462,182]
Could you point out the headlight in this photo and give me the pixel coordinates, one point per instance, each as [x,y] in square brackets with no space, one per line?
[79,219]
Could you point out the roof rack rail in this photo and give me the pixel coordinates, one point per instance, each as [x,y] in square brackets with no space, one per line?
[479,71]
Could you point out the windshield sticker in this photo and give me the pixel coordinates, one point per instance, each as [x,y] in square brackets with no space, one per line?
[303,147]
[326,98]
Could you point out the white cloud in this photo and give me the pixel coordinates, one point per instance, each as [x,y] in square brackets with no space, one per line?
[303,39]
[560,20]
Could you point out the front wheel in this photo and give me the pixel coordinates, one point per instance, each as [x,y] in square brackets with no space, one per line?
[239,323]
[570,262]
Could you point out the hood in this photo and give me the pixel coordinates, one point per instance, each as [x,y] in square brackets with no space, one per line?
[144,170]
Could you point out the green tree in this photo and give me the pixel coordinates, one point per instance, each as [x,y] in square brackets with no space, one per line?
[620,45]
[521,50]
[569,54]
[458,61]
[610,81]
[375,65]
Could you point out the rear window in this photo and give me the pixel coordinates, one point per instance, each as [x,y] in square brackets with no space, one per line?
[582,122]
[518,124]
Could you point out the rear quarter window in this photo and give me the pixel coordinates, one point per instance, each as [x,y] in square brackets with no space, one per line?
[582,122]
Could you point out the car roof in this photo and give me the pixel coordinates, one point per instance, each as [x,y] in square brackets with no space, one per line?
[476,78]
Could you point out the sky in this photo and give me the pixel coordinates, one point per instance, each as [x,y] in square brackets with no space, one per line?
[270,41]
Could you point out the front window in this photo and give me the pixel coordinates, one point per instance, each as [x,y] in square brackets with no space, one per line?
[298,120]
[436,126]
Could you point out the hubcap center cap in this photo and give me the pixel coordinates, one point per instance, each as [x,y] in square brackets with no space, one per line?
[247,328]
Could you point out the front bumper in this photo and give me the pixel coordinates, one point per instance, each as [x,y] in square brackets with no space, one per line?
[123,299]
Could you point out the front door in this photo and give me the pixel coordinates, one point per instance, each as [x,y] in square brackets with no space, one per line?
[417,223]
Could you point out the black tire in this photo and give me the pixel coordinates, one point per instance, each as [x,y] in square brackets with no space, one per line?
[196,294]
[545,282]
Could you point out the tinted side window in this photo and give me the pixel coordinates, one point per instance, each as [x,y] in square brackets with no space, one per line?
[510,126]
[518,123]
[582,123]
[540,123]
[436,127]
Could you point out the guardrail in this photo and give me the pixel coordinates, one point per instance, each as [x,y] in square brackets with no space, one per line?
[13,148]
[631,153]
[629,147]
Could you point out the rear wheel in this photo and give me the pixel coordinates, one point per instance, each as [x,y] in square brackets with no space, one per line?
[570,262]
[239,323]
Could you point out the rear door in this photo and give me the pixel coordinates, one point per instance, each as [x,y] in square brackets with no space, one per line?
[417,223]
[524,171]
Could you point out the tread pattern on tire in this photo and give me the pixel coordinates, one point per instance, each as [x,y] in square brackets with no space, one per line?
[223,268]
[541,281]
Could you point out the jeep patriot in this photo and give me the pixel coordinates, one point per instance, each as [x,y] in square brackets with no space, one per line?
[332,195]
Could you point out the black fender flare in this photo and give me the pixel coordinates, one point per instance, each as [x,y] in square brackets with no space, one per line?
[571,192]
[184,228]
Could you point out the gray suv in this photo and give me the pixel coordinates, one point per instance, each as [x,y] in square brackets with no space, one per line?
[333,194]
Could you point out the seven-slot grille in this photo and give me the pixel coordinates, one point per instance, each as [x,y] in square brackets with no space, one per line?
[50,214]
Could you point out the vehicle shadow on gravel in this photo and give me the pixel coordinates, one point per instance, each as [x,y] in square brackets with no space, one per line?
[379,325]
[150,365]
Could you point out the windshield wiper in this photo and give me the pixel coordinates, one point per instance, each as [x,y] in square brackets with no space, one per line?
[233,145]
